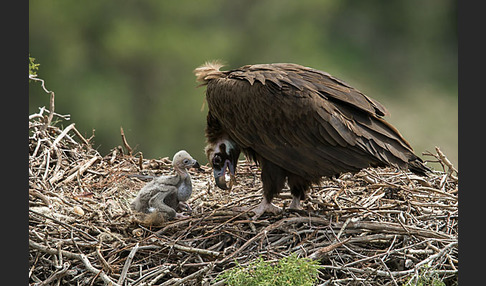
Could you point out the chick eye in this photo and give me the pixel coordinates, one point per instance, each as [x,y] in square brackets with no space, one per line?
[186,161]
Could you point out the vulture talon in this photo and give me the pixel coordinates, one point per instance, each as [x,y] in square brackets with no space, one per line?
[263,207]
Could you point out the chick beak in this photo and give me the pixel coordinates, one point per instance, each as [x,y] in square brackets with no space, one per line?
[197,166]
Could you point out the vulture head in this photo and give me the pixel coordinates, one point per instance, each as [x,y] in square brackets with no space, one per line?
[223,156]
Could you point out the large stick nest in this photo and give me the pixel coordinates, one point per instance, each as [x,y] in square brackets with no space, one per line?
[379,226]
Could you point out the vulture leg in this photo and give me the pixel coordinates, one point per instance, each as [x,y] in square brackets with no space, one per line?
[298,187]
[273,179]
[295,204]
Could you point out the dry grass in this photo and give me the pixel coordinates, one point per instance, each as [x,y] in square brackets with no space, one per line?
[377,227]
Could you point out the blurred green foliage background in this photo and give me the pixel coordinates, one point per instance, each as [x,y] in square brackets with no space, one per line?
[129,64]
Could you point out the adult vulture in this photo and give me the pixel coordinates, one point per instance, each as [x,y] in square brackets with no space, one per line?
[298,124]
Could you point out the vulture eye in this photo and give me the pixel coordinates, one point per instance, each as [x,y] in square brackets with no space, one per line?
[186,161]
[217,160]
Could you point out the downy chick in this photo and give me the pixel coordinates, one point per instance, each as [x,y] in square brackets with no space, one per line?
[165,195]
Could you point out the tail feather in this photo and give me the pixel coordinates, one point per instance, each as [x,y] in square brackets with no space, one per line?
[418,167]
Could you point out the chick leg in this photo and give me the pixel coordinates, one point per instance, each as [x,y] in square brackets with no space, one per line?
[185,206]
[157,203]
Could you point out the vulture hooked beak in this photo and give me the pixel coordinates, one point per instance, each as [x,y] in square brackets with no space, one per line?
[220,175]
[224,157]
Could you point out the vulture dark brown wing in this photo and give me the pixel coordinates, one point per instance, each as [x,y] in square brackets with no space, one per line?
[304,120]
